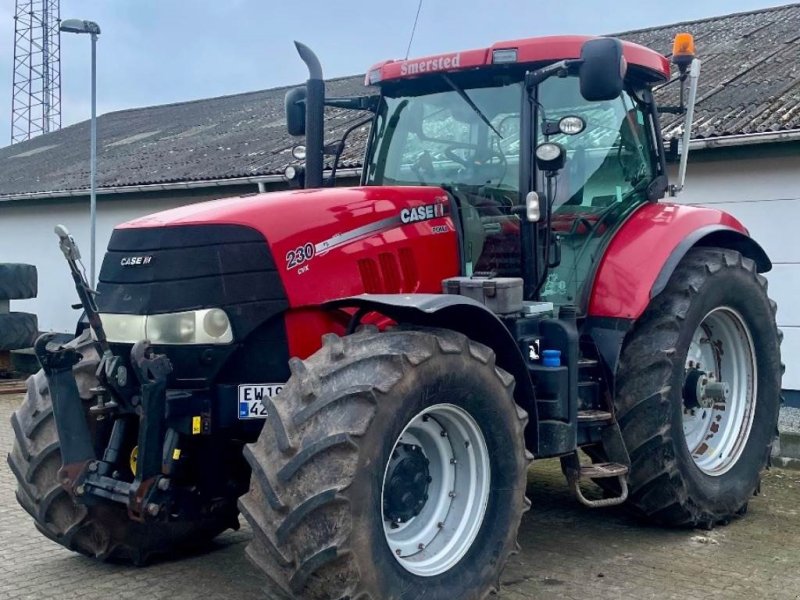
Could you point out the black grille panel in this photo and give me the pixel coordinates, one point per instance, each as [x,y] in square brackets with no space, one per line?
[170,269]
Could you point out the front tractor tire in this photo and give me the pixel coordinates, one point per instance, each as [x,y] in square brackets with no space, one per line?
[392,466]
[698,392]
[103,530]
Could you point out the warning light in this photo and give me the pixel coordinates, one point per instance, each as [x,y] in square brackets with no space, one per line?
[683,50]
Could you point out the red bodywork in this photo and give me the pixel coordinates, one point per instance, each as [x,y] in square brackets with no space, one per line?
[532,50]
[360,244]
[638,251]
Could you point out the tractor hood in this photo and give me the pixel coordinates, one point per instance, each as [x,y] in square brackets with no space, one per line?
[286,218]
[322,244]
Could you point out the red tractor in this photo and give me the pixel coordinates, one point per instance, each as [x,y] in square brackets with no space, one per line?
[366,373]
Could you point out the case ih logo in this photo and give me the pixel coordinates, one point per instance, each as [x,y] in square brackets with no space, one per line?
[432,64]
[422,213]
[135,261]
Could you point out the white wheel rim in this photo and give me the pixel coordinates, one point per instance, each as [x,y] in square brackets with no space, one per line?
[716,435]
[434,540]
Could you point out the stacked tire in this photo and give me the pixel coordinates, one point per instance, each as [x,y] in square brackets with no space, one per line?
[17,329]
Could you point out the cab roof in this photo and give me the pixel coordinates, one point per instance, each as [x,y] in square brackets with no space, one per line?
[530,50]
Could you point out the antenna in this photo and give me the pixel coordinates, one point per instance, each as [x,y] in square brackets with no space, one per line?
[413,29]
[36,89]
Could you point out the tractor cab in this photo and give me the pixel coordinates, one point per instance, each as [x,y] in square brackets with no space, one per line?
[545,146]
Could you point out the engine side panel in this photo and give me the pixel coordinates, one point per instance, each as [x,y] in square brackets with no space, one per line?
[634,259]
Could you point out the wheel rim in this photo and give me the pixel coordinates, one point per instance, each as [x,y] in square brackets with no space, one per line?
[719,394]
[457,480]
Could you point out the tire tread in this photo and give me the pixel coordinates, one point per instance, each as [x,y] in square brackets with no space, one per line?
[347,374]
[643,387]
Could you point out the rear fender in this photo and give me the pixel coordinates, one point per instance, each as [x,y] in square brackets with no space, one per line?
[718,236]
[466,316]
[645,251]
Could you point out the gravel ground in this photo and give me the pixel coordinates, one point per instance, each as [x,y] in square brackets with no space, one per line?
[568,552]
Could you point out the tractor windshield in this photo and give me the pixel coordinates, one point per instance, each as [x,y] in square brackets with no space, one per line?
[466,139]
[457,137]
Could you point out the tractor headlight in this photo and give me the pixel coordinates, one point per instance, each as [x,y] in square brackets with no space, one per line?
[124,328]
[207,326]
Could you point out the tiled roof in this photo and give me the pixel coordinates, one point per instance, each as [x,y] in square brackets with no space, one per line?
[750,83]
[750,76]
[243,135]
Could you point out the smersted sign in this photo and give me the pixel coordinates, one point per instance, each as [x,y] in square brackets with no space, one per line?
[439,63]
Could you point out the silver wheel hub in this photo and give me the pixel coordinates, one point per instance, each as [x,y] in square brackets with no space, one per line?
[435,489]
[719,393]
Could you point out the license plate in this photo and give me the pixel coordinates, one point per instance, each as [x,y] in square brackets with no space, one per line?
[252,398]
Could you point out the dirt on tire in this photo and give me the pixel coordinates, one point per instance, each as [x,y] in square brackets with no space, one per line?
[315,499]
[666,487]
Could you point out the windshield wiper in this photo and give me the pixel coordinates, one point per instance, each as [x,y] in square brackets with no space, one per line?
[470,103]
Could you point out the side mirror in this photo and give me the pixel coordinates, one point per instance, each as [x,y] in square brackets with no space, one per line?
[295,104]
[602,70]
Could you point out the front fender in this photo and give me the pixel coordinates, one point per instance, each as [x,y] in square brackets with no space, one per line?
[462,314]
[645,251]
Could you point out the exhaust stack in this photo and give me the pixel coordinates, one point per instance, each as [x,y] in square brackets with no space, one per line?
[315,108]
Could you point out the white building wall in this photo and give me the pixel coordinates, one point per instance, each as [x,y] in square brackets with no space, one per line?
[26,236]
[764,194]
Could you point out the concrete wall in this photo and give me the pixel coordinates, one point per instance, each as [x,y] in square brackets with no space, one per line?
[761,188]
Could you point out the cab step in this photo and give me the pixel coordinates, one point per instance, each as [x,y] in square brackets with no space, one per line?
[603,470]
[575,471]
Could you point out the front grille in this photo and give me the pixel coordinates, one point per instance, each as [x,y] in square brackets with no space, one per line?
[171,269]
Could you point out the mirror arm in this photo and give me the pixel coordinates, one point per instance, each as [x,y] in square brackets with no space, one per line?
[681,108]
[340,148]
[369,103]
[534,78]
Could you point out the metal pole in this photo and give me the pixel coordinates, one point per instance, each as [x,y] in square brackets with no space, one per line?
[694,76]
[93,165]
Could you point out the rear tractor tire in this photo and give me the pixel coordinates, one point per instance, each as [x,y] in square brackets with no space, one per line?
[392,466]
[101,531]
[698,392]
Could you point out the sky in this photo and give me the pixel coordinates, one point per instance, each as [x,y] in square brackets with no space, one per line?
[161,51]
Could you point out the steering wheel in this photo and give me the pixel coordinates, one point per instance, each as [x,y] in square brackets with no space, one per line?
[471,164]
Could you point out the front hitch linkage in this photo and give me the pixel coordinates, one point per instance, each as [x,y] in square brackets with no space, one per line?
[82,475]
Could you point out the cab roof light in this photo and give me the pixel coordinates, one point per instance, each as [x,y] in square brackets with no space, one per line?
[374,76]
[504,55]
[683,50]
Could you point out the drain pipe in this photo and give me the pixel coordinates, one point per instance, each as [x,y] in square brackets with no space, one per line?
[315,107]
